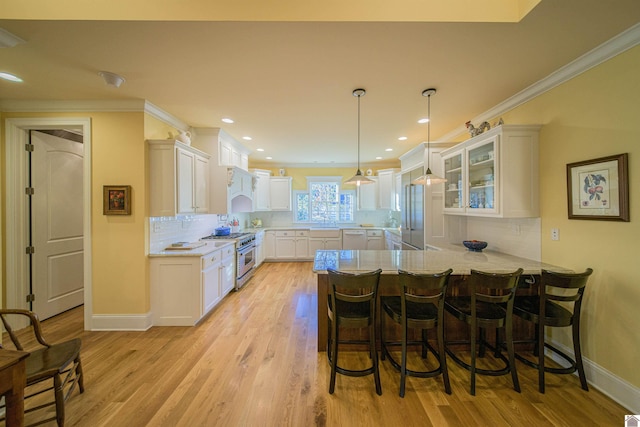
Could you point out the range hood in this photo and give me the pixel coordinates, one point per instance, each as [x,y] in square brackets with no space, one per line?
[240,188]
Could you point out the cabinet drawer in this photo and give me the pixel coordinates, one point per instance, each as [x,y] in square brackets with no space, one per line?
[302,233]
[285,233]
[374,233]
[210,259]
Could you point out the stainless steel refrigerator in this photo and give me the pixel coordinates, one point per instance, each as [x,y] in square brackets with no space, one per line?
[412,205]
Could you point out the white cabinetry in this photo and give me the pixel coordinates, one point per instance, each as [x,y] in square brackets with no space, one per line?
[280,193]
[211,289]
[368,195]
[178,179]
[269,245]
[393,242]
[232,153]
[291,244]
[375,240]
[262,195]
[387,195]
[260,247]
[324,239]
[228,269]
[185,288]
[494,174]
[214,141]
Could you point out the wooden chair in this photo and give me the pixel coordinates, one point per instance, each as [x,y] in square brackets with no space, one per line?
[352,304]
[419,306]
[489,306]
[59,363]
[543,310]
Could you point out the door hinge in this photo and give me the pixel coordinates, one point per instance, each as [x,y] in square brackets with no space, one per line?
[30,191]
[31,298]
[31,250]
[28,147]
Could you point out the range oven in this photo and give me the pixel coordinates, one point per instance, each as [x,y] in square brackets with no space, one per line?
[245,255]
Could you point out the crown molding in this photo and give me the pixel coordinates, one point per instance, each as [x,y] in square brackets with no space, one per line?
[607,50]
[129,105]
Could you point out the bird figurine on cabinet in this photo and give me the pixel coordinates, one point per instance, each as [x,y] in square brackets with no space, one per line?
[474,131]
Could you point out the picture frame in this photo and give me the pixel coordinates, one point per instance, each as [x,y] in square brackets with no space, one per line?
[116,200]
[598,189]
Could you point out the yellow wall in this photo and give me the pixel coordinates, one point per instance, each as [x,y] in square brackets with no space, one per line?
[594,115]
[120,276]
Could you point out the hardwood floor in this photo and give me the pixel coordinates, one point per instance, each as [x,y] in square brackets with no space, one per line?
[253,362]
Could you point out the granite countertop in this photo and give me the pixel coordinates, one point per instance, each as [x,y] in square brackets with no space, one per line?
[207,248]
[456,257]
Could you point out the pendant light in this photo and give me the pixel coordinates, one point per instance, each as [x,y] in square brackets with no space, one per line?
[358,178]
[429,177]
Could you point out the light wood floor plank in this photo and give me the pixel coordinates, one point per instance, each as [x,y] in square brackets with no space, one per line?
[253,362]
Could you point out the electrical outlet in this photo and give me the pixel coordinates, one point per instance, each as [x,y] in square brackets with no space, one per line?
[555,234]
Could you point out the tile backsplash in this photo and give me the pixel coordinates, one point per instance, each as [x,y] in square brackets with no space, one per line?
[163,231]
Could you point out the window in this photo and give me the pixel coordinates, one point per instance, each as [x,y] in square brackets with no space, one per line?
[324,202]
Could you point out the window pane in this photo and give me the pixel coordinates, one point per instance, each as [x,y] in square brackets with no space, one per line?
[302,207]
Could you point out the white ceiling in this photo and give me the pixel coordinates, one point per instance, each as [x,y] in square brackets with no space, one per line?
[289,85]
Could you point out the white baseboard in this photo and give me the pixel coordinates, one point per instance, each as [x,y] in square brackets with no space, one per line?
[616,388]
[121,322]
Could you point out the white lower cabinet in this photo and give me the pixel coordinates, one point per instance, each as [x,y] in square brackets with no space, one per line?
[260,247]
[291,244]
[185,288]
[375,240]
[228,269]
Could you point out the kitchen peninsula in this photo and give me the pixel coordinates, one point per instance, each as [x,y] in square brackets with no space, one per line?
[432,260]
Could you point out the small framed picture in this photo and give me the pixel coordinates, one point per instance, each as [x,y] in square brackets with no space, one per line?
[598,189]
[116,200]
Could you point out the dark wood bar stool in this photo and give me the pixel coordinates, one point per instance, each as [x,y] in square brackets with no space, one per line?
[419,306]
[352,304]
[543,310]
[490,305]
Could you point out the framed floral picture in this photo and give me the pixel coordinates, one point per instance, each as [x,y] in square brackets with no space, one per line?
[598,189]
[116,200]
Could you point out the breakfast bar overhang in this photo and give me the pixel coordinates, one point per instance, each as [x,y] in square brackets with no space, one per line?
[431,260]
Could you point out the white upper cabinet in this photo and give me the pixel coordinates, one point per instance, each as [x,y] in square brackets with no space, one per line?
[178,179]
[280,193]
[262,195]
[494,174]
[368,195]
[232,153]
[387,189]
[231,187]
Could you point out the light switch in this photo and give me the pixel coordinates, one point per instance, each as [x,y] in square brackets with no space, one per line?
[555,234]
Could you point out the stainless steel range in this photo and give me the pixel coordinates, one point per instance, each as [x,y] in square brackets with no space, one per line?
[245,255]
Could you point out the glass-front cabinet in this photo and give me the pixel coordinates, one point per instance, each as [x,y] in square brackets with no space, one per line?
[454,195]
[494,173]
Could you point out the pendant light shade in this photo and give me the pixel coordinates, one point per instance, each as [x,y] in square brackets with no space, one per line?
[358,178]
[429,177]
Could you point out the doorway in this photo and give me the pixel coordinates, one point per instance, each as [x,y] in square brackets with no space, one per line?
[16,208]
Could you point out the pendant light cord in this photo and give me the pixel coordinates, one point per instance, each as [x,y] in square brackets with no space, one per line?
[429,132]
[359,132]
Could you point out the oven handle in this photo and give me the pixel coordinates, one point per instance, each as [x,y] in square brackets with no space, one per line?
[245,249]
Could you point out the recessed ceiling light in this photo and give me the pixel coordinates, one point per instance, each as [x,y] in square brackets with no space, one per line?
[402,138]
[388,149]
[425,120]
[227,120]
[10,77]
[378,158]
[259,149]
[247,138]
[269,157]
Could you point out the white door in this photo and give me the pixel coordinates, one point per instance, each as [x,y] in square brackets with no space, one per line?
[56,218]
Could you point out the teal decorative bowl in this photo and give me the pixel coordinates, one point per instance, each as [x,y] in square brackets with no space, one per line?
[474,245]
